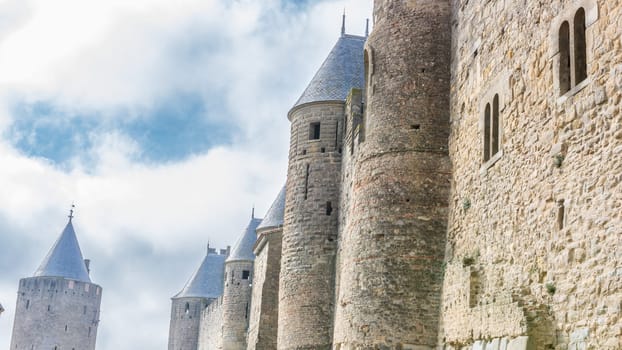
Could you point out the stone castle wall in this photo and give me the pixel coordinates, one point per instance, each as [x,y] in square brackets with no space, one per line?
[185,323]
[476,193]
[306,287]
[263,323]
[534,242]
[210,334]
[53,312]
[393,238]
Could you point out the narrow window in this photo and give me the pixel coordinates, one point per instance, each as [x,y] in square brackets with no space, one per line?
[366,65]
[245,274]
[329,208]
[494,139]
[27,304]
[49,307]
[84,310]
[65,328]
[246,311]
[580,61]
[187,308]
[564,58]
[307,182]
[561,213]
[337,135]
[232,276]
[314,131]
[487,133]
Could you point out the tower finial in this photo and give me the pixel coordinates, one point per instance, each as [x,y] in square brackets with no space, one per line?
[343,23]
[71,211]
[367,28]
[253,212]
[208,246]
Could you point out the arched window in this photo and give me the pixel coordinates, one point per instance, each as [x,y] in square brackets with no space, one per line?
[187,308]
[487,133]
[494,140]
[564,58]
[580,60]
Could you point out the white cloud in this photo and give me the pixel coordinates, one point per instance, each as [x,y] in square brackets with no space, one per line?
[145,225]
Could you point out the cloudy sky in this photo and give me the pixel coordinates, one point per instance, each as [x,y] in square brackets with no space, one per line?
[164,121]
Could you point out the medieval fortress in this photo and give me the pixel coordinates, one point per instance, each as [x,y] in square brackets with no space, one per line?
[454,183]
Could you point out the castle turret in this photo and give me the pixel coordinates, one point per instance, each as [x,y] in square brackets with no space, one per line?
[59,307]
[262,329]
[307,276]
[393,239]
[237,291]
[203,287]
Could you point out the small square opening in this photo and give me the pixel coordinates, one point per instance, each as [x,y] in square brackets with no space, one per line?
[314,131]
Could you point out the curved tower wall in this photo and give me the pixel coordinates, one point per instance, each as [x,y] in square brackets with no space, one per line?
[236,306]
[306,289]
[393,241]
[56,313]
[186,323]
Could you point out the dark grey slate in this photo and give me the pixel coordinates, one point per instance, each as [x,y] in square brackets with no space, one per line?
[274,216]
[207,281]
[342,70]
[65,258]
[243,248]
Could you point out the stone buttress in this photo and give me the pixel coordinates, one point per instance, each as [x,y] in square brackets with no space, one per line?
[393,236]
[262,329]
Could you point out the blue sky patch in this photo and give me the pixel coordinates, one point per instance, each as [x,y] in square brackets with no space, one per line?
[170,131]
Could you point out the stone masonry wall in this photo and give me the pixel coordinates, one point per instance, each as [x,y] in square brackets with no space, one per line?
[263,324]
[392,245]
[185,323]
[56,312]
[306,288]
[236,302]
[536,230]
[210,335]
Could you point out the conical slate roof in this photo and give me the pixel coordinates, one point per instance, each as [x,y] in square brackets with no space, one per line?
[207,281]
[274,216]
[342,70]
[243,248]
[65,258]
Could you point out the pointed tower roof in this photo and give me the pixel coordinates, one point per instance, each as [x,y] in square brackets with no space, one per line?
[207,281]
[274,216]
[65,258]
[342,70]
[243,248]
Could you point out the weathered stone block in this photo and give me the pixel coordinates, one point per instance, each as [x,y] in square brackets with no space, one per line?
[519,343]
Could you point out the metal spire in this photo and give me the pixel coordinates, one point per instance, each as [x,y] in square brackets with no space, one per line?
[253,212]
[343,23]
[71,211]
[367,28]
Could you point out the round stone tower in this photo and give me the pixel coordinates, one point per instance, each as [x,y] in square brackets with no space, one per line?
[203,287]
[307,276]
[392,245]
[59,307]
[236,298]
